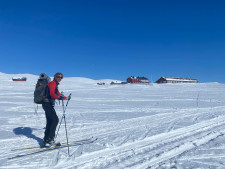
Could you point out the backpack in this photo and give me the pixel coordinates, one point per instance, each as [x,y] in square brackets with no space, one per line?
[39,92]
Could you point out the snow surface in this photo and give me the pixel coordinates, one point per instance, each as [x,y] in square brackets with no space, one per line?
[137,126]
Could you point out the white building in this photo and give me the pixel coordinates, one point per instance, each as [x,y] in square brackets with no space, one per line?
[176,80]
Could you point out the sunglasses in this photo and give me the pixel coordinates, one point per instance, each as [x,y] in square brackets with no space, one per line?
[59,77]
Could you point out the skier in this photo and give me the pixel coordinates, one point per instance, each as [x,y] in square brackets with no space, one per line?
[48,104]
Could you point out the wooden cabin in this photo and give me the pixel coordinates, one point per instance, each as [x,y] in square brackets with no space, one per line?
[19,79]
[138,79]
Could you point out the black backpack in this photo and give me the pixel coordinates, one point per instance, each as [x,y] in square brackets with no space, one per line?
[39,92]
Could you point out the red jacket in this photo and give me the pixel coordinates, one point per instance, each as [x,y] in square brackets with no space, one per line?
[53,90]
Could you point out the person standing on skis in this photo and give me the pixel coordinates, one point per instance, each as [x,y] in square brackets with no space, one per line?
[48,104]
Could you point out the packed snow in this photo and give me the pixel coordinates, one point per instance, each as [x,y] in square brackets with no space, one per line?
[136,126]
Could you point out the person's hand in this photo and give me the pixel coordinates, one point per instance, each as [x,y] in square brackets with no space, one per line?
[61,97]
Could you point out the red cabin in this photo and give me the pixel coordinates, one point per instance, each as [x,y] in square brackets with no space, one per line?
[138,79]
[19,79]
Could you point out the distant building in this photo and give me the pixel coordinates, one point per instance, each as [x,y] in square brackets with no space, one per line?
[133,79]
[19,79]
[118,83]
[101,83]
[176,80]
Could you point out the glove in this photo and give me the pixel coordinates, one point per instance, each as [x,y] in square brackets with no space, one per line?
[61,97]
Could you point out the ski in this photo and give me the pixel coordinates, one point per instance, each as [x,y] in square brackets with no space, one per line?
[87,141]
[64,143]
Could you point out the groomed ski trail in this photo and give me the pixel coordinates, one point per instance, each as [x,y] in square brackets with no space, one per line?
[106,132]
[154,150]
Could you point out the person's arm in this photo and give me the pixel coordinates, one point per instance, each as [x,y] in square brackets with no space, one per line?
[51,87]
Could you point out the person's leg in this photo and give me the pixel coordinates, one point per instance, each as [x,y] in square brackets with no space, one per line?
[51,121]
[54,123]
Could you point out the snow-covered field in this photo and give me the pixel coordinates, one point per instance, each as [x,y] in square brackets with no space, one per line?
[137,126]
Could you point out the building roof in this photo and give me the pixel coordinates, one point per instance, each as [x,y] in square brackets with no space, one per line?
[133,77]
[178,79]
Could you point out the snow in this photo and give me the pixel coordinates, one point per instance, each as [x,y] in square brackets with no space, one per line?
[138,126]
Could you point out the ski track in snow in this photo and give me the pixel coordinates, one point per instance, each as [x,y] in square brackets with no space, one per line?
[154,150]
[137,126]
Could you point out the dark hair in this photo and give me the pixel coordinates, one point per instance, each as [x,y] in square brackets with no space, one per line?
[57,74]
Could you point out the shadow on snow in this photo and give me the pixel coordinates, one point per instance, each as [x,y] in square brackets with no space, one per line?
[27,131]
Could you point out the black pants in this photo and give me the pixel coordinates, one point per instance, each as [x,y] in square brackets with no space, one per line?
[51,121]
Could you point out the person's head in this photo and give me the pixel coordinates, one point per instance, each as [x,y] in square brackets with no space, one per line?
[58,77]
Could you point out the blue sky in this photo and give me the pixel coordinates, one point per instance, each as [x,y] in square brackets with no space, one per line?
[114,39]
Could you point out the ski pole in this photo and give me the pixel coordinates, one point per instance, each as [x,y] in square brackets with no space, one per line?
[64,113]
[66,128]
[68,101]
[58,128]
